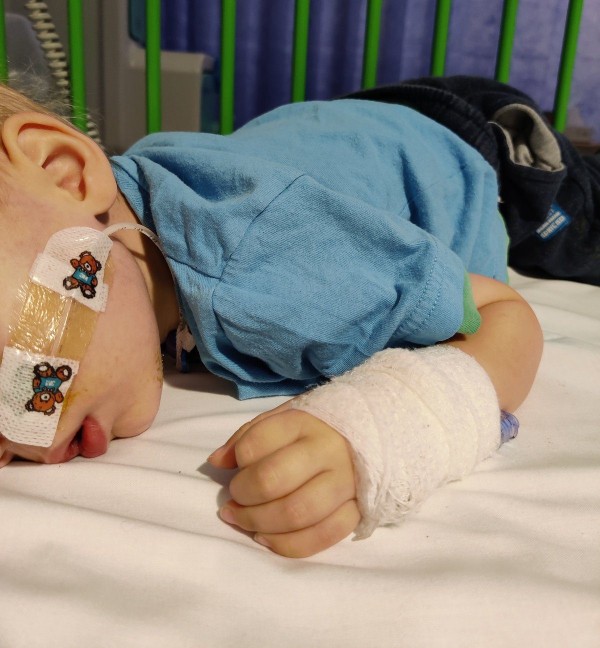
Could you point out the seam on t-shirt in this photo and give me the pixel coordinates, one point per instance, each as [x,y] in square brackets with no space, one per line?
[258,215]
[412,324]
[243,236]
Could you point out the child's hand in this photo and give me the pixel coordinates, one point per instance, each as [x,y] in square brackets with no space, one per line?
[295,489]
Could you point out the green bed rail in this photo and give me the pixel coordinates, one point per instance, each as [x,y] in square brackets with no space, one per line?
[300,52]
[153,81]
[441,27]
[371,47]
[441,31]
[508,27]
[567,64]
[77,65]
[228,11]
[301,31]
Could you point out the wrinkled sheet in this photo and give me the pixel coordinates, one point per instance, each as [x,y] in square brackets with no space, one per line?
[127,550]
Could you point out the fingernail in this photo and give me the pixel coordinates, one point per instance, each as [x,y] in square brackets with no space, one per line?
[262,540]
[226,514]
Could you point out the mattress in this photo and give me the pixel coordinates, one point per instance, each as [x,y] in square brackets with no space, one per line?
[127,549]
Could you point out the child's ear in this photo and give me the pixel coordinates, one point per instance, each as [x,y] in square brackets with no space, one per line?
[55,156]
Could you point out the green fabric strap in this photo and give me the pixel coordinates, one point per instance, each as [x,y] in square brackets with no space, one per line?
[471,319]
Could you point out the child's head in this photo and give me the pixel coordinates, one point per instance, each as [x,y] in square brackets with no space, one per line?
[52,177]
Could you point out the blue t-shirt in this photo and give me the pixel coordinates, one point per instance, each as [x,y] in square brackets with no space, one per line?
[316,235]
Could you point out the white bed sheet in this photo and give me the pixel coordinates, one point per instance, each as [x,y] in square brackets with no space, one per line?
[127,550]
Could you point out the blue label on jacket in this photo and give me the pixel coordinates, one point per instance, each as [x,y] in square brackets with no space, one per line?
[556,221]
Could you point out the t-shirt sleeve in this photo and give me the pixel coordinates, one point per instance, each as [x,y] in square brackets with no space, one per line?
[320,282]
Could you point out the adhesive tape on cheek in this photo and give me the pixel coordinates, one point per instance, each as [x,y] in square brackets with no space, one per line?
[72,264]
[34,378]
[32,391]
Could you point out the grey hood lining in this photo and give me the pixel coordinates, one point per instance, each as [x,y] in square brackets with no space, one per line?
[530,140]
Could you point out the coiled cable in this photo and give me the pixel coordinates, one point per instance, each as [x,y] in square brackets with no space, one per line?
[54,52]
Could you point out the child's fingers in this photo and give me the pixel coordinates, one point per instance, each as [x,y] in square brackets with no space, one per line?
[309,541]
[278,474]
[264,415]
[305,507]
[269,435]
[225,456]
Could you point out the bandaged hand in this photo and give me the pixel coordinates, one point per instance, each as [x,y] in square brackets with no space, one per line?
[295,489]
[414,419]
[360,451]
[411,421]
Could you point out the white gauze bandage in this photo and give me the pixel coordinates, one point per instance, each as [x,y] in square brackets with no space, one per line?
[414,420]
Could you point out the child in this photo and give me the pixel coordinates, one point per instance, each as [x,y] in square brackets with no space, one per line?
[353,240]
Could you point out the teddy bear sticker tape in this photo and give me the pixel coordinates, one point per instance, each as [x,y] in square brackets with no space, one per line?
[72,264]
[32,392]
[34,381]
[33,384]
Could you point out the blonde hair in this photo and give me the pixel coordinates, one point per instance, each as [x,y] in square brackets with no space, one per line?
[26,92]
